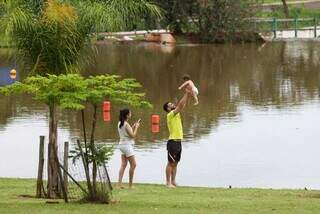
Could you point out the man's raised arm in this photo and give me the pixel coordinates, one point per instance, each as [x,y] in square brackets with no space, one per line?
[182,103]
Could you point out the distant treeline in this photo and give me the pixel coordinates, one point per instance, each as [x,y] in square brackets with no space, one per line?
[210,20]
[205,20]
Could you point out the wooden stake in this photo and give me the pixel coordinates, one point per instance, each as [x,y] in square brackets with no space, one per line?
[64,193]
[40,193]
[65,165]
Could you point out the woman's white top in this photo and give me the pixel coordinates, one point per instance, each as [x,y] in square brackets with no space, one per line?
[125,139]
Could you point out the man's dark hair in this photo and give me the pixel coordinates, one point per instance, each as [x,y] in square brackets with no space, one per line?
[165,107]
[186,77]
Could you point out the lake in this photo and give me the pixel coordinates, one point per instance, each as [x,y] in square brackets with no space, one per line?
[256,124]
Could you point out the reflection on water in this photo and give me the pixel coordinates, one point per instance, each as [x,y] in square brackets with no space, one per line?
[5,67]
[254,125]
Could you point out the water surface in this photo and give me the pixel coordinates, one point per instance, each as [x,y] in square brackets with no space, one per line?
[255,126]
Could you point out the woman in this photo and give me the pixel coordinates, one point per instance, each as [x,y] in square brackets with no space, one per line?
[127,135]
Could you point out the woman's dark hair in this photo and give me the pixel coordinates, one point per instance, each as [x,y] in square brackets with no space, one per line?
[123,116]
[186,77]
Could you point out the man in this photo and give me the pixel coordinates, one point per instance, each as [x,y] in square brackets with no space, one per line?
[176,135]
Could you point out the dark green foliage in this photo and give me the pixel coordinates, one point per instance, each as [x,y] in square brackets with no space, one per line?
[177,14]
[225,20]
[210,20]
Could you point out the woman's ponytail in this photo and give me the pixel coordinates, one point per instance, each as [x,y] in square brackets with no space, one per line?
[123,116]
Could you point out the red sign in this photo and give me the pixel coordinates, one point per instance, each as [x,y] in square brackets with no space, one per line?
[106,106]
[106,116]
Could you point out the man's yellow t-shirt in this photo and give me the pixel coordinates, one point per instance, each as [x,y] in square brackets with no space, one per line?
[175,126]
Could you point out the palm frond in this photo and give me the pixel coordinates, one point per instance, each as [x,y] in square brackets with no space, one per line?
[52,36]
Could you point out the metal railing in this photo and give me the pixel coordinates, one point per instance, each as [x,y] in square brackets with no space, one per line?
[288,24]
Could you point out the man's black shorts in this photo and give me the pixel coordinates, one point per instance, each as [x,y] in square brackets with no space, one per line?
[174,150]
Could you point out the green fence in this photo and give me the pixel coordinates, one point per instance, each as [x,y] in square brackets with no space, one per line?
[274,25]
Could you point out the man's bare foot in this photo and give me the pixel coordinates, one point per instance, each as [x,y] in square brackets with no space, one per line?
[132,187]
[120,187]
[171,186]
[174,184]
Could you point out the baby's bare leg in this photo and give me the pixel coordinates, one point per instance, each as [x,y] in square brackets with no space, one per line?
[195,97]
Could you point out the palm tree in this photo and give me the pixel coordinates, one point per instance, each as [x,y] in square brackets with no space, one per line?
[52,36]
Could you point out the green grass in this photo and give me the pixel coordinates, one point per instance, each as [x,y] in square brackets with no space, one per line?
[294,12]
[275,1]
[158,199]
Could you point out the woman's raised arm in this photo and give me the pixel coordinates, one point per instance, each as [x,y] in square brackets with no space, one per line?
[132,132]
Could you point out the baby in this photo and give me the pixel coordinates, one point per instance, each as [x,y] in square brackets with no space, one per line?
[190,87]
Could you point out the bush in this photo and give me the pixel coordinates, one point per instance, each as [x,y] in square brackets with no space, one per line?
[225,20]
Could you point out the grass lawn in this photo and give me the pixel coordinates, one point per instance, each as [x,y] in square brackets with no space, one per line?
[158,199]
[294,12]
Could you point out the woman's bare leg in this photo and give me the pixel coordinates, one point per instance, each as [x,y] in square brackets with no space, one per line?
[124,162]
[133,165]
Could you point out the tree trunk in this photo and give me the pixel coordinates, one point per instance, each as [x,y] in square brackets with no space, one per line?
[285,8]
[53,176]
[93,150]
[84,135]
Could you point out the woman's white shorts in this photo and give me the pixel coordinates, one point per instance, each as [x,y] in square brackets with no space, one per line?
[126,149]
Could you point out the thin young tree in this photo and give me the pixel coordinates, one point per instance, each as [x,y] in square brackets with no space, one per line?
[116,90]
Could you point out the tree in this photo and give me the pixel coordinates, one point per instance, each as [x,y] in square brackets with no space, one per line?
[66,91]
[71,91]
[285,8]
[225,20]
[177,14]
[52,36]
